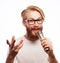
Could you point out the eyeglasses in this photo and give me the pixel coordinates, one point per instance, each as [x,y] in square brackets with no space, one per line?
[32,22]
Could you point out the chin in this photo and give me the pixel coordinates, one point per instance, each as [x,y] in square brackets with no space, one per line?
[35,36]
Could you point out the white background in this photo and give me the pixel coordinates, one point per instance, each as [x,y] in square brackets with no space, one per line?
[11,22]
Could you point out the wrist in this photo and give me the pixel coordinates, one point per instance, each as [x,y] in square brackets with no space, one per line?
[52,58]
[51,55]
[12,54]
[10,59]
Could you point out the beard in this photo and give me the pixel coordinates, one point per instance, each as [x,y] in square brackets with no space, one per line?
[31,34]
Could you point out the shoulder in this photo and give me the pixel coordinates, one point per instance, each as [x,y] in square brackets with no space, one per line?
[19,39]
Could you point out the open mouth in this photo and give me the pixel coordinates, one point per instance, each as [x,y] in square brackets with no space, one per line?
[34,32]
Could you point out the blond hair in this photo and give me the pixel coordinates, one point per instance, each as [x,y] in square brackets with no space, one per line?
[33,8]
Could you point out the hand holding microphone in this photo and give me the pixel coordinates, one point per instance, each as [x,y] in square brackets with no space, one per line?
[41,37]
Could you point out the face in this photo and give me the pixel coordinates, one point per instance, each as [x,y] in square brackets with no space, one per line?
[33,22]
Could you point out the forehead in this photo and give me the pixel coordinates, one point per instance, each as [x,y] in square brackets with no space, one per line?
[32,14]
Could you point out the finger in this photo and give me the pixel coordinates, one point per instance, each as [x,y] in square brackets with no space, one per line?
[43,39]
[21,42]
[44,45]
[13,41]
[44,42]
[8,42]
[18,46]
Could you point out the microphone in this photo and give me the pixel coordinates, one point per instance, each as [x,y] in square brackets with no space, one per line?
[41,36]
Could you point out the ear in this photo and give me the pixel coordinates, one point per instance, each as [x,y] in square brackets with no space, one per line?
[24,23]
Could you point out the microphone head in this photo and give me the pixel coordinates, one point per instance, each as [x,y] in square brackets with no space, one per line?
[40,35]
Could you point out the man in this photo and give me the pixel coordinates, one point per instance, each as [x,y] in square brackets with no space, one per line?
[29,48]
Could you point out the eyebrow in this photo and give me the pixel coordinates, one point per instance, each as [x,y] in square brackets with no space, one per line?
[35,19]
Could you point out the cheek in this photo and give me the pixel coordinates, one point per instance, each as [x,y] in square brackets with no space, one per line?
[30,26]
[41,26]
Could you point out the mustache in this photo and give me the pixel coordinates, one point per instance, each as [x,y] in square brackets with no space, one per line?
[36,28]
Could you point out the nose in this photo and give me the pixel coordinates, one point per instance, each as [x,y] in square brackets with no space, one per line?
[36,24]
